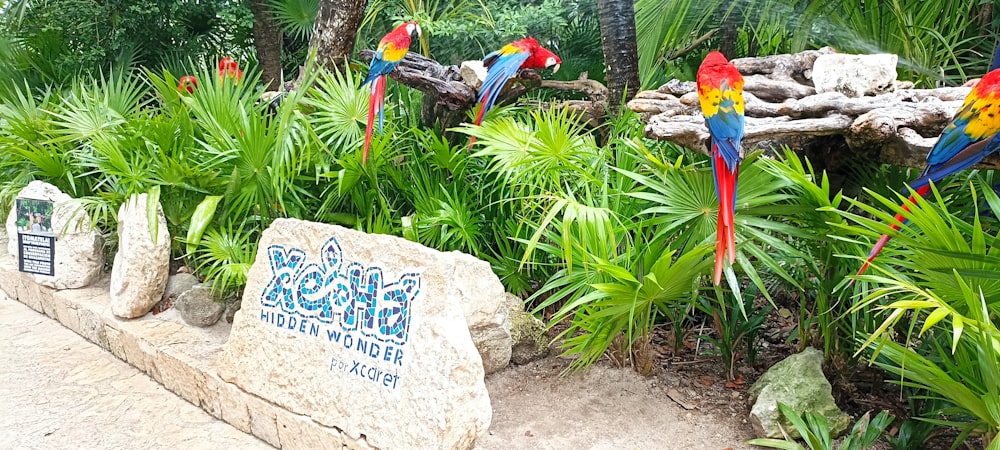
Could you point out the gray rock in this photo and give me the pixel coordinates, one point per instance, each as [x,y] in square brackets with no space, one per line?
[79,252]
[142,264]
[178,284]
[530,341]
[854,75]
[232,305]
[482,297]
[473,73]
[365,333]
[198,307]
[798,382]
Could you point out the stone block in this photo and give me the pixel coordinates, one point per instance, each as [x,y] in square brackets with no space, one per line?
[362,333]
[298,432]
[65,312]
[263,423]
[115,342]
[233,405]
[92,327]
[138,353]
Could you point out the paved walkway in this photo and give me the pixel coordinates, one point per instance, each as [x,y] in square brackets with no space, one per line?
[59,391]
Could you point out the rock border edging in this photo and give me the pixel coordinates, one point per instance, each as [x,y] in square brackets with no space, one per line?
[156,347]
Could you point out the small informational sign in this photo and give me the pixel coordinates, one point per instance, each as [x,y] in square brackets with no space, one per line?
[35,239]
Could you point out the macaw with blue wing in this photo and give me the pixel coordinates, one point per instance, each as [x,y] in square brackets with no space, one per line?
[969,137]
[391,50]
[720,92]
[503,64]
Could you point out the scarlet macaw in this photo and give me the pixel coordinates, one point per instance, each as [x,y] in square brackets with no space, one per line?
[229,68]
[962,144]
[391,50]
[187,83]
[720,92]
[503,64]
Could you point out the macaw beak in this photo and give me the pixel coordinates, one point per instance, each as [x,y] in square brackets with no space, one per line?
[555,68]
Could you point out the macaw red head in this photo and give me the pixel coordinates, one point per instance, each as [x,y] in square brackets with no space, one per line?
[540,57]
[401,36]
[714,59]
[229,69]
[187,83]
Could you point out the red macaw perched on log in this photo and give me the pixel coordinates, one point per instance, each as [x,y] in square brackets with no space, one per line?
[962,144]
[503,64]
[391,50]
[720,92]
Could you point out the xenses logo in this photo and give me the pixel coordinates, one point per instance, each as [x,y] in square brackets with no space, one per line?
[352,306]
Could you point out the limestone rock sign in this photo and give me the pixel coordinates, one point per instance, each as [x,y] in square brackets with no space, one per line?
[360,332]
[78,246]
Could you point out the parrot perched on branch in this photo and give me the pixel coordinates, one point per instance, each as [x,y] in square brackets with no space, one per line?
[720,92]
[503,64]
[963,143]
[391,50]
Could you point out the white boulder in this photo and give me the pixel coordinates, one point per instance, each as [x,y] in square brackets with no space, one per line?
[142,263]
[79,255]
[854,75]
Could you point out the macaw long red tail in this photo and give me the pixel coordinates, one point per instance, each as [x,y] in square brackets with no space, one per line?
[725,232]
[899,219]
[479,116]
[375,104]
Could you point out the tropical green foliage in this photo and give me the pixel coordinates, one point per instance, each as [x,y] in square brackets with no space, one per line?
[55,40]
[937,41]
[607,236]
[940,334]
[815,432]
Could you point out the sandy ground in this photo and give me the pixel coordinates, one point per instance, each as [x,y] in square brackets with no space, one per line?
[604,408]
[59,391]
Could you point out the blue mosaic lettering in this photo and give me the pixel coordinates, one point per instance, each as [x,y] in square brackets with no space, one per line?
[357,298]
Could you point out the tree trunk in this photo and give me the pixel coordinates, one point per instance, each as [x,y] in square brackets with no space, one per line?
[621,58]
[333,35]
[267,43]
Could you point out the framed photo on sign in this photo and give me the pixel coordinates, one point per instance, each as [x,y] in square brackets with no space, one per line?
[35,239]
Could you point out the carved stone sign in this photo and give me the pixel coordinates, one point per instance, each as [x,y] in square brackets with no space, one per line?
[359,332]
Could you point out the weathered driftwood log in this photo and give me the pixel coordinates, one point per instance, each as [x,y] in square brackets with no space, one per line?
[447,97]
[783,108]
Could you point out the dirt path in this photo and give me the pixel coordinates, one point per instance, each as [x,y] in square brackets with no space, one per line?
[604,408]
